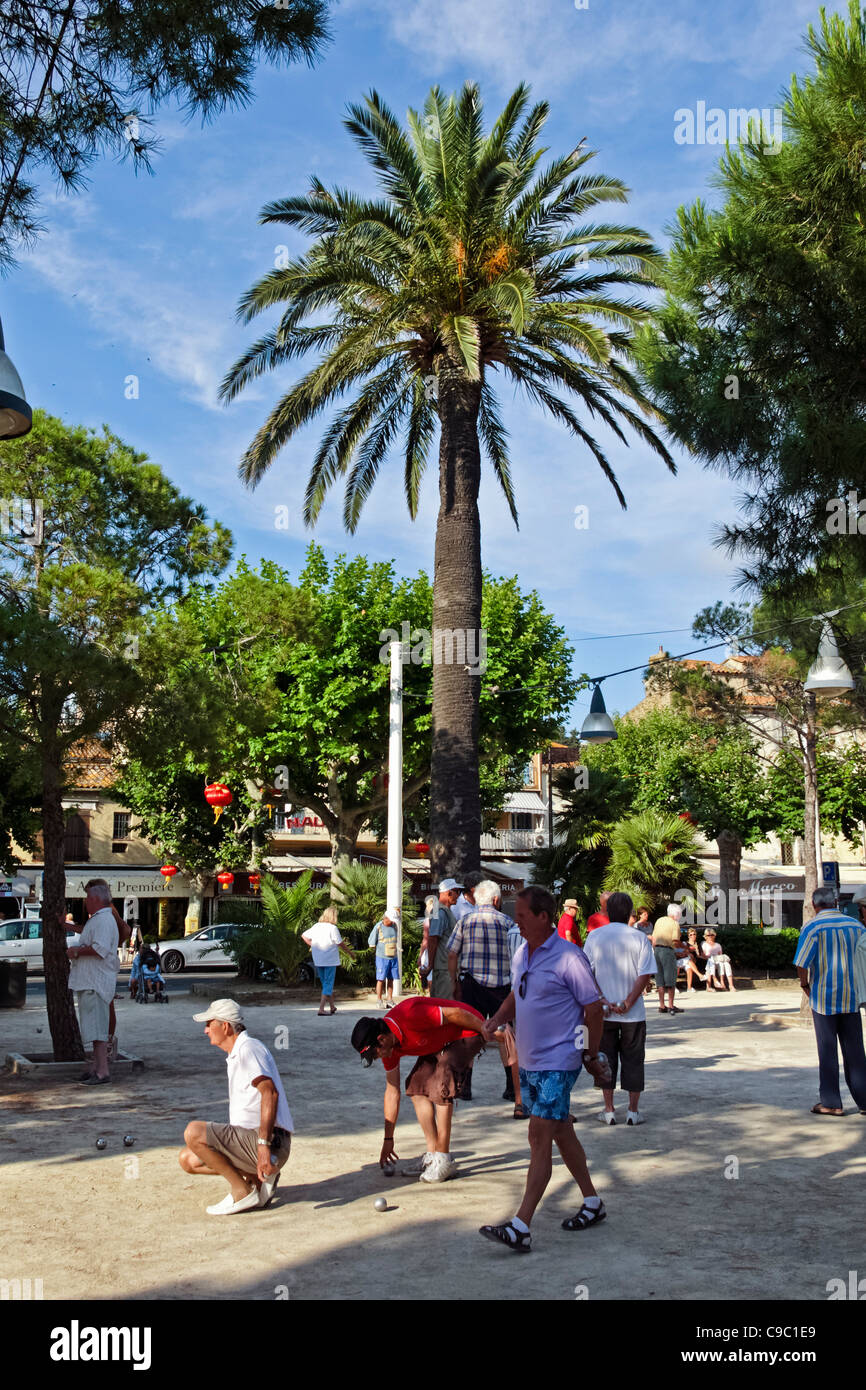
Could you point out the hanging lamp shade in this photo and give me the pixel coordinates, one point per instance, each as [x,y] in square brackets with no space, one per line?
[16,417]
[598,725]
[828,674]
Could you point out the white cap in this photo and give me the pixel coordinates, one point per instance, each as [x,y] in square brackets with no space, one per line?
[393,913]
[448,884]
[226,1010]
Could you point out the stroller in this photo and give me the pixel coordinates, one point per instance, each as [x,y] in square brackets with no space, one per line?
[149,978]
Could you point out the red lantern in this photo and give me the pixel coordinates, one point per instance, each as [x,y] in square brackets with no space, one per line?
[168,871]
[421,848]
[218,795]
[255,880]
[225,879]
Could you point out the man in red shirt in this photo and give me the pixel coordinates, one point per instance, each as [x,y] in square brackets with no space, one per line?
[567,925]
[599,919]
[446,1038]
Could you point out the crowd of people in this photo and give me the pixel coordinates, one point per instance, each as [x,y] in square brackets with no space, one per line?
[553,999]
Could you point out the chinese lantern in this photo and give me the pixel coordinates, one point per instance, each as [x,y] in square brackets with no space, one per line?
[225,879]
[168,871]
[421,848]
[218,795]
[255,880]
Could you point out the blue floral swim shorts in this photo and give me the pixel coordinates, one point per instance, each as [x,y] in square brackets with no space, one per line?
[547,1094]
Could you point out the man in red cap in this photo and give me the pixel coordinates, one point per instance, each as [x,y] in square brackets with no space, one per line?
[446,1038]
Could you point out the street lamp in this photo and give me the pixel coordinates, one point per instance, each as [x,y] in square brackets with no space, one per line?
[598,725]
[828,675]
[16,417]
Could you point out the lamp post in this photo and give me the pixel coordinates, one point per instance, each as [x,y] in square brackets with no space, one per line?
[16,417]
[828,675]
[395,803]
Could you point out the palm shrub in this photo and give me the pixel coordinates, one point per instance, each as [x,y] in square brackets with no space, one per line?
[360,894]
[580,851]
[286,913]
[476,258]
[653,855]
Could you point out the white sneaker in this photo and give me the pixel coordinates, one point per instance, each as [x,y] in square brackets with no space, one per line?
[228,1206]
[416,1168]
[634,1117]
[607,1117]
[439,1169]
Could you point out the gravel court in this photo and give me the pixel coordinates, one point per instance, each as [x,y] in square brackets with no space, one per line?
[723,1095]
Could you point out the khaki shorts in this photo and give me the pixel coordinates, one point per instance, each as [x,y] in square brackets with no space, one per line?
[440,980]
[242,1148]
[92,1017]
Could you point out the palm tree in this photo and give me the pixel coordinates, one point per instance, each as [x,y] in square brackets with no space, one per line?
[653,856]
[476,258]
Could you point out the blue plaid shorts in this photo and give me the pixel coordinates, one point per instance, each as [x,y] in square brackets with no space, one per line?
[547,1094]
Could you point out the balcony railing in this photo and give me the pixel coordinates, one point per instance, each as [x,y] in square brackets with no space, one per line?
[513,840]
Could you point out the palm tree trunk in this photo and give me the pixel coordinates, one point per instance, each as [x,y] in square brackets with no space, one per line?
[62,1021]
[455,800]
[730,856]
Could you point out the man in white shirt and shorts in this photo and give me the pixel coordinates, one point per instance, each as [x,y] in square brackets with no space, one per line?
[623,962]
[251,1149]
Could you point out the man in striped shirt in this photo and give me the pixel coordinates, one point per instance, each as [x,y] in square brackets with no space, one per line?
[825,964]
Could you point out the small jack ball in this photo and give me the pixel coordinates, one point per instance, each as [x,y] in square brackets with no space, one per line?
[381,1204]
[128,1140]
[102,1143]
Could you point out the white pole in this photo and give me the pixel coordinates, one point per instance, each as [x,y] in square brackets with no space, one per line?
[395,802]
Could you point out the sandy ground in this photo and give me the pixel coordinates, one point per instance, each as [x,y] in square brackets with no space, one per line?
[723,1094]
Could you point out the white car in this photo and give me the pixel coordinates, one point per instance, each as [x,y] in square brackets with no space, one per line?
[21,939]
[207,947]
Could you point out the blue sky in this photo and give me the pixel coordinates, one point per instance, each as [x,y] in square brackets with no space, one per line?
[141,275]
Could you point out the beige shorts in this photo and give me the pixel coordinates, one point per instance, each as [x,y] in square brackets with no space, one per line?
[241,1146]
[92,1017]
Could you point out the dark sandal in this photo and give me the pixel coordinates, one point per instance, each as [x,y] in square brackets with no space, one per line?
[521,1246]
[520,1113]
[587,1216]
[825,1110]
[663,1011]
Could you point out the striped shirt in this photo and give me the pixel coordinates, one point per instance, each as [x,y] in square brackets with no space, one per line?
[481,940]
[825,948]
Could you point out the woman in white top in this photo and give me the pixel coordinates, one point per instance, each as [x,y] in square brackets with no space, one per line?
[325,941]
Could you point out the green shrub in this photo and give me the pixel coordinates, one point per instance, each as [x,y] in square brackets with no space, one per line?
[278,942]
[361,898]
[751,948]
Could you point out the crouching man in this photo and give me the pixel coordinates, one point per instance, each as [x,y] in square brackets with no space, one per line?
[251,1149]
[446,1038]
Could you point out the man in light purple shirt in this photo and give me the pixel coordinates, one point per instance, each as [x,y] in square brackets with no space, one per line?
[559,1019]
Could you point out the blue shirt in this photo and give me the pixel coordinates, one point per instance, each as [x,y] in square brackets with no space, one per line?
[558,984]
[825,948]
[379,935]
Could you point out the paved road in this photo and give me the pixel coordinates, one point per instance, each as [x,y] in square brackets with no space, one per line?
[175,984]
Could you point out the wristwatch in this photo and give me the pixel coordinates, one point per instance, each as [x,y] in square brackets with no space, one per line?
[590,1056]
[265,1143]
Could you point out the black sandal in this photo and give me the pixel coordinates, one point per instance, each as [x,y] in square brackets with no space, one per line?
[587,1216]
[663,1010]
[521,1246]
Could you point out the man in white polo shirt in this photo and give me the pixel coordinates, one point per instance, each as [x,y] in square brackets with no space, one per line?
[93,966]
[623,963]
[251,1149]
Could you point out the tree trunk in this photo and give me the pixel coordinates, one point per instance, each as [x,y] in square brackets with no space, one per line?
[62,1021]
[810,789]
[458,643]
[730,854]
[343,838]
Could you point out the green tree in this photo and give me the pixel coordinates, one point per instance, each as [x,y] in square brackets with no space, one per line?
[756,356]
[684,761]
[580,853]
[474,258]
[653,856]
[283,687]
[117,539]
[80,78]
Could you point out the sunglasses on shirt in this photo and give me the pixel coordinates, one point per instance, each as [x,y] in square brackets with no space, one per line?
[521,988]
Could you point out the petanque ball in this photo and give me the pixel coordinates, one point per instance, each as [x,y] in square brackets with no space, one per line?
[102,1143]
[128,1140]
[381,1204]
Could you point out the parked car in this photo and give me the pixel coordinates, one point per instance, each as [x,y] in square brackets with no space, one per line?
[207,947]
[21,939]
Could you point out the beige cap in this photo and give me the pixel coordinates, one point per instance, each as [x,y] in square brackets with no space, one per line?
[569,902]
[226,1010]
